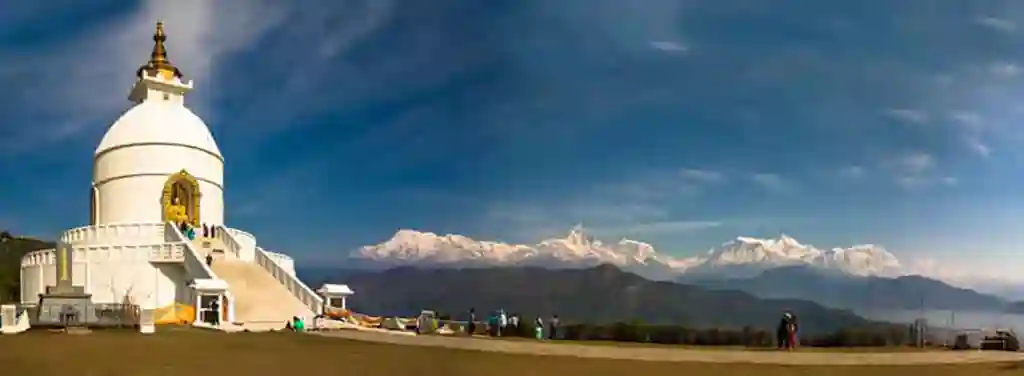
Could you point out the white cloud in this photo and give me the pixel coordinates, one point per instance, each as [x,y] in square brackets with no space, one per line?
[996,23]
[200,34]
[970,120]
[1004,69]
[663,227]
[772,182]
[914,163]
[916,170]
[978,147]
[852,172]
[669,46]
[703,176]
[908,115]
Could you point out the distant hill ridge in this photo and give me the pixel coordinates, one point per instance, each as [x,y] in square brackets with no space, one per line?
[599,294]
[855,292]
[12,248]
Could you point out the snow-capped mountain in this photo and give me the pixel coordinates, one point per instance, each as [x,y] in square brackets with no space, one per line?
[741,257]
[745,257]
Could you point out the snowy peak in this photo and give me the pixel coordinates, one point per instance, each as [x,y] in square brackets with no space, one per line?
[864,260]
[752,255]
[577,248]
[740,257]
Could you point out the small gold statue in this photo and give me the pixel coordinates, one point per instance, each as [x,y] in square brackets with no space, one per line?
[176,212]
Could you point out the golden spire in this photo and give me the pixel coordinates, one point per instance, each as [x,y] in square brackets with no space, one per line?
[158,62]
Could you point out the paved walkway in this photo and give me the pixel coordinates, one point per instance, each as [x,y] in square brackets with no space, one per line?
[682,354]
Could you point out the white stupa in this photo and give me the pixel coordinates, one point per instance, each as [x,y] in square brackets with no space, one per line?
[157,166]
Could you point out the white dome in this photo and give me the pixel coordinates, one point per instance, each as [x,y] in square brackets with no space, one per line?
[159,122]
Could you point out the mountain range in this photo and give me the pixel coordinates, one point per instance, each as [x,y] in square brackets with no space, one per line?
[742,257]
[861,277]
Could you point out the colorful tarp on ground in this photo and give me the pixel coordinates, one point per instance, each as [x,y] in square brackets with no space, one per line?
[176,313]
[370,321]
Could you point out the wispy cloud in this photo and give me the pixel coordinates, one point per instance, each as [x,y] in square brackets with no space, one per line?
[908,115]
[200,34]
[978,147]
[997,24]
[971,121]
[913,163]
[772,182]
[917,170]
[660,228]
[852,172]
[669,46]
[703,176]
[1004,69]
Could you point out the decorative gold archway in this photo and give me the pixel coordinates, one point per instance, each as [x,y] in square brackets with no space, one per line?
[185,188]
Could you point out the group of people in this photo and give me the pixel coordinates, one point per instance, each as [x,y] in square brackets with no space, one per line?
[787,331]
[186,229]
[501,323]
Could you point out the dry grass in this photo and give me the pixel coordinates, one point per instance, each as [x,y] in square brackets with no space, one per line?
[182,351]
[882,349]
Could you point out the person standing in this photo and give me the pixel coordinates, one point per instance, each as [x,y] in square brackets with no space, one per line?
[553,327]
[471,324]
[793,330]
[206,230]
[502,322]
[513,322]
[781,333]
[209,260]
[538,329]
[214,312]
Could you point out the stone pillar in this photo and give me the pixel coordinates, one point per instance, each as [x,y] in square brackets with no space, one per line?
[231,309]
[220,309]
[146,324]
[199,307]
[10,318]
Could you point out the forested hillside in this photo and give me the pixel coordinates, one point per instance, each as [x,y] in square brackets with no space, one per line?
[12,248]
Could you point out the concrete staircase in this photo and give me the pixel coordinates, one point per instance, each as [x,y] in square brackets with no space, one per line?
[261,302]
[212,246]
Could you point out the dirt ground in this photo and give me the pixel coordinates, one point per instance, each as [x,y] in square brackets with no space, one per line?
[689,354]
[180,351]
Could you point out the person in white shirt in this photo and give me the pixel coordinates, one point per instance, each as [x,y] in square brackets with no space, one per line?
[502,322]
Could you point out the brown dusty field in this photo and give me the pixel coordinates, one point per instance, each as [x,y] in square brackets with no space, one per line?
[181,351]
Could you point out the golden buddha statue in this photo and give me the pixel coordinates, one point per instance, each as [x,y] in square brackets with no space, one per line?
[176,212]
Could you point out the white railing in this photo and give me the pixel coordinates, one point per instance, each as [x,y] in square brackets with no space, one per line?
[229,242]
[40,257]
[242,236]
[167,252]
[283,260]
[115,233]
[292,283]
[195,266]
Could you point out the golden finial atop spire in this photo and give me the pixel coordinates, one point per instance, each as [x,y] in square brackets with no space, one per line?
[158,62]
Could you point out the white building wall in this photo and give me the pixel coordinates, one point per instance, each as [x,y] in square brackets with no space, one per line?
[31,284]
[109,274]
[146,284]
[130,181]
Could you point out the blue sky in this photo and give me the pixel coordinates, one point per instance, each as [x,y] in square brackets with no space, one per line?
[683,123]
